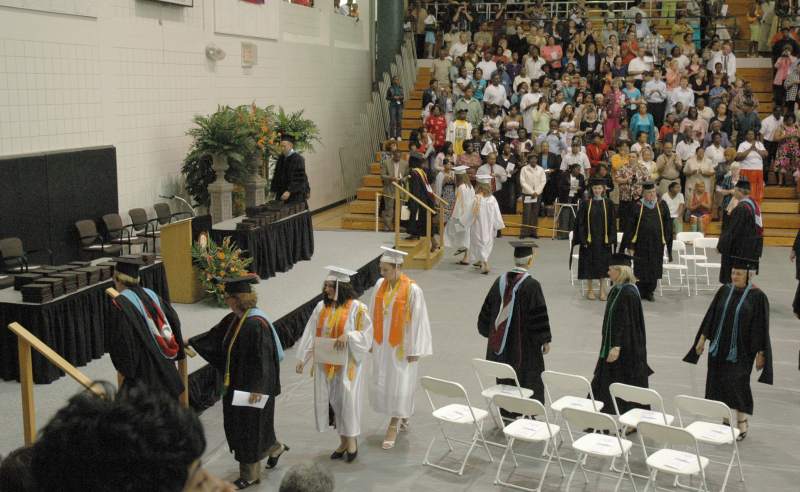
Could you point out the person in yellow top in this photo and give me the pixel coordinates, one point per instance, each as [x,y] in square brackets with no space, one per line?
[401,335]
[341,317]
[621,157]
[680,29]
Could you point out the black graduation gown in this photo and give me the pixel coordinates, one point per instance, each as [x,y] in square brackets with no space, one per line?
[729,382]
[595,255]
[796,248]
[649,242]
[134,351]
[739,238]
[254,367]
[417,223]
[625,322]
[529,330]
[290,175]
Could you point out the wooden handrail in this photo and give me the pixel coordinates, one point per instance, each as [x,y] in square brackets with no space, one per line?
[25,342]
[438,198]
[420,202]
[183,368]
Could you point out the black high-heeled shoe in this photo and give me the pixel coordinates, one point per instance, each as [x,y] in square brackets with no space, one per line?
[351,456]
[272,461]
[337,455]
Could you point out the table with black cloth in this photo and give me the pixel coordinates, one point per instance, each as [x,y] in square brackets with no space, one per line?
[274,248]
[73,325]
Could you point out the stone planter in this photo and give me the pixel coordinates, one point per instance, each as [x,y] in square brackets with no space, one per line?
[254,194]
[220,191]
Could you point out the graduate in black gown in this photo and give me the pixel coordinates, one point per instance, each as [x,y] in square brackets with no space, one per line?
[245,349]
[144,334]
[623,351]
[519,335]
[743,232]
[290,182]
[737,327]
[419,184]
[651,233]
[596,234]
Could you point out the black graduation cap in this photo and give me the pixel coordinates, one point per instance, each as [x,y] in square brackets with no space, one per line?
[594,181]
[523,249]
[741,263]
[743,184]
[238,285]
[287,138]
[648,185]
[620,259]
[128,266]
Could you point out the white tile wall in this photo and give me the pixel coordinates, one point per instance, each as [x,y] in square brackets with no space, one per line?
[136,76]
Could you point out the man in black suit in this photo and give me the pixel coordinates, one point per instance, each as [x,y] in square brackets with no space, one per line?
[570,191]
[551,163]
[431,94]
[290,183]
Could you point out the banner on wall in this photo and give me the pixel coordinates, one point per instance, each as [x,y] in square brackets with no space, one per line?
[254,1]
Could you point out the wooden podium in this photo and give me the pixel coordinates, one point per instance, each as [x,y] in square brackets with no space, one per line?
[176,250]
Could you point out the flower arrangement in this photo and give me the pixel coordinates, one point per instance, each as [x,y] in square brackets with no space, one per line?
[216,262]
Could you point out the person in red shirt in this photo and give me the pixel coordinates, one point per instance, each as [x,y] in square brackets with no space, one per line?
[596,151]
[437,126]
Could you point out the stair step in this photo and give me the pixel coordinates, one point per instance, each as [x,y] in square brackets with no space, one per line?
[375,168]
[411,114]
[790,233]
[780,192]
[411,124]
[780,206]
[367,192]
[362,207]
[372,180]
[779,241]
[414,104]
[781,221]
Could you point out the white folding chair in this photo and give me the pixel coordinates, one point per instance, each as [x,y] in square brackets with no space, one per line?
[493,371]
[567,390]
[454,413]
[526,430]
[673,461]
[703,245]
[632,418]
[573,272]
[609,445]
[692,255]
[710,432]
[558,208]
[679,265]
[620,235]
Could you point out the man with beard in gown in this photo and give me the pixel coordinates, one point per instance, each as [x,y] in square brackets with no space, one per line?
[743,233]
[623,351]
[145,337]
[651,232]
[514,319]
[246,350]
[596,233]
[737,326]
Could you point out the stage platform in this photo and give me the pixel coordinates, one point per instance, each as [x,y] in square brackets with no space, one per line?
[282,297]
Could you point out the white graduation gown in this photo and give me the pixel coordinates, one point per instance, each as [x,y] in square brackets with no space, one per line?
[456,232]
[344,396]
[486,221]
[394,380]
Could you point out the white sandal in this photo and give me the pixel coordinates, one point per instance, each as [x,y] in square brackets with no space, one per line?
[390,444]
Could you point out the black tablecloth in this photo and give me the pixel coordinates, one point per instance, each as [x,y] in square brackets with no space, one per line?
[206,382]
[72,325]
[275,248]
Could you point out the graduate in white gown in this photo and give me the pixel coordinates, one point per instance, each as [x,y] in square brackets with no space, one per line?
[486,220]
[456,232]
[339,388]
[402,334]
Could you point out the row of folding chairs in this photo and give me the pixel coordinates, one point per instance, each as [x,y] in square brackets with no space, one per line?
[573,408]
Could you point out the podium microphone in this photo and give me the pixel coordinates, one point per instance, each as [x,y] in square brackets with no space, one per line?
[176,197]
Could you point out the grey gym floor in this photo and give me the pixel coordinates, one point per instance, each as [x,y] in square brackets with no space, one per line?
[454,295]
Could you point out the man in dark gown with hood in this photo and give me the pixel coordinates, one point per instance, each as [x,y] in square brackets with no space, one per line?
[246,350]
[743,232]
[596,234]
[144,333]
[651,232]
[514,319]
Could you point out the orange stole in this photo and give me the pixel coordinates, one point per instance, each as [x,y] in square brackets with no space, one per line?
[338,320]
[400,311]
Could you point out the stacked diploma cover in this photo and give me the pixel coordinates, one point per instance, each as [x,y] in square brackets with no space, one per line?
[92,274]
[37,293]
[25,278]
[268,213]
[56,286]
[70,281]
